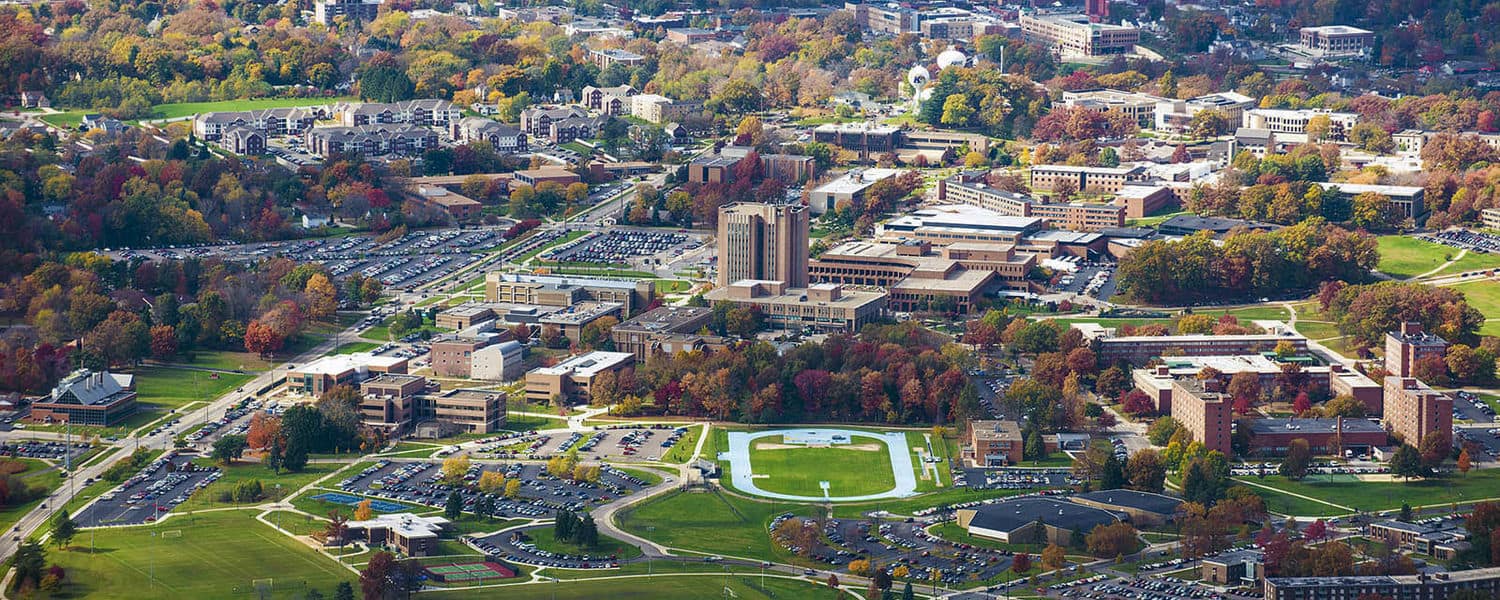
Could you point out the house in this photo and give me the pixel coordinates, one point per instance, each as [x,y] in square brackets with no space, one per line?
[35,99]
[93,122]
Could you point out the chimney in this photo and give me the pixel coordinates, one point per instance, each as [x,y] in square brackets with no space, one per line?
[1163,370]
[1411,328]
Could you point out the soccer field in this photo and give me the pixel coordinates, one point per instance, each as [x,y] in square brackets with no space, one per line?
[857,469]
[217,555]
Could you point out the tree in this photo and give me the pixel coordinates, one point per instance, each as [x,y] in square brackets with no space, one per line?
[1147,471]
[1464,462]
[1112,476]
[512,488]
[343,591]
[1298,456]
[1054,557]
[30,562]
[1407,463]
[364,511]
[491,482]
[228,448]
[63,528]
[957,111]
[907,593]
[455,506]
[338,526]
[375,578]
[163,341]
[455,468]
[1111,540]
[1021,563]
[1161,431]
[1315,531]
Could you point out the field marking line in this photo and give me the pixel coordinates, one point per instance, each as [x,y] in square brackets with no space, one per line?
[1295,495]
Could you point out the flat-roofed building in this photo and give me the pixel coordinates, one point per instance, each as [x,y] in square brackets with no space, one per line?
[1405,198]
[1490,218]
[1075,216]
[949,224]
[665,329]
[458,206]
[788,168]
[999,443]
[572,378]
[606,57]
[505,361]
[559,290]
[1074,35]
[1137,350]
[464,316]
[1205,410]
[327,12]
[1234,568]
[862,138]
[1015,520]
[1324,436]
[453,355]
[538,176]
[1336,40]
[1433,538]
[1423,586]
[824,307]
[850,187]
[1102,180]
[763,241]
[1414,411]
[916,277]
[412,535]
[571,320]
[1335,378]
[388,400]
[319,376]
[1409,345]
[1291,124]
[87,397]
[467,410]
[1185,225]
[1176,116]
[1140,108]
[1145,508]
[1144,200]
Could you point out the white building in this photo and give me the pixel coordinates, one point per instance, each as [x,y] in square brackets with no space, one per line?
[851,186]
[504,361]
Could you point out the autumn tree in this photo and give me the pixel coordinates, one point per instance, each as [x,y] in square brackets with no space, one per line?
[1054,556]
[455,468]
[1111,540]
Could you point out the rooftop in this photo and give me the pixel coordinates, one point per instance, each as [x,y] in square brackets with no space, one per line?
[587,365]
[583,312]
[341,363]
[407,525]
[1010,515]
[1393,191]
[666,318]
[961,218]
[1146,501]
[1280,426]
[856,180]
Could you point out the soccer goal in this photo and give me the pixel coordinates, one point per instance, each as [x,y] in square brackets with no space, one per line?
[263,587]
[171,533]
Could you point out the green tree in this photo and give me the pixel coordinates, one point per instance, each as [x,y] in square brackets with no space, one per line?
[1162,430]
[1298,456]
[1112,476]
[1407,463]
[957,111]
[344,591]
[63,528]
[455,506]
[228,448]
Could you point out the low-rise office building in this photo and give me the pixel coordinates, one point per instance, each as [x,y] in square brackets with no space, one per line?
[1102,180]
[862,138]
[464,410]
[1330,436]
[411,535]
[1176,116]
[388,400]
[572,378]
[1000,443]
[950,224]
[556,290]
[1490,218]
[1405,198]
[1075,216]
[1234,568]
[1336,40]
[319,376]
[86,397]
[1140,108]
[1075,35]
[571,320]
[666,330]
[823,307]
[1137,350]
[916,277]
[464,316]
[1423,586]
[849,188]
[505,361]
[1441,539]
[1334,378]
[1291,124]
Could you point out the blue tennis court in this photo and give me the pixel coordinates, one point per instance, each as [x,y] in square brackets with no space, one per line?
[350,500]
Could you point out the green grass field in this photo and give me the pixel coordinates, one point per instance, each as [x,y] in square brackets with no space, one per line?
[1472,262]
[607,546]
[863,467]
[1381,495]
[352,347]
[224,360]
[167,387]
[218,555]
[675,587]
[1317,330]
[1283,504]
[1404,257]
[712,523]
[683,450]
[290,482]
[188,109]
[1065,321]
[1485,296]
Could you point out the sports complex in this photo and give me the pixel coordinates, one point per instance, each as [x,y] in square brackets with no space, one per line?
[821,465]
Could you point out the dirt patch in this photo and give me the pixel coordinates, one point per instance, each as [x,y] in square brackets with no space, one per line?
[1376,477]
[859,447]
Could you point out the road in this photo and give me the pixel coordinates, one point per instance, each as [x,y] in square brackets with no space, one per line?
[38,517]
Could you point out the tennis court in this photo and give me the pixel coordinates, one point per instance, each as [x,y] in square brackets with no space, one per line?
[456,572]
[350,500]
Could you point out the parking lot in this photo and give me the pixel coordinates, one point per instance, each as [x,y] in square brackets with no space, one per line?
[625,442]
[623,246]
[1468,406]
[541,495]
[152,492]
[517,546]
[46,450]
[1015,479]
[1144,588]
[1473,241]
[893,544]
[1091,279]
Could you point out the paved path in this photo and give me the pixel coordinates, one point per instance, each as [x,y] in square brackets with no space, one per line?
[1445,265]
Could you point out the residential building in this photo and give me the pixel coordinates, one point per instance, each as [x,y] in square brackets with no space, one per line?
[1202,407]
[1103,180]
[1291,124]
[1176,116]
[1139,349]
[763,241]
[1324,436]
[1407,199]
[505,139]
[863,138]
[1423,586]
[371,140]
[563,131]
[949,224]
[426,112]
[661,109]
[610,100]
[34,99]
[86,397]
[268,122]
[317,377]
[1409,345]
[1138,107]
[572,378]
[537,121]
[553,290]
[411,535]
[1336,40]
[881,18]
[1074,35]
[505,361]
[244,141]
[1413,411]
[850,187]
[326,12]
[1490,218]
[823,307]
[665,329]
[610,56]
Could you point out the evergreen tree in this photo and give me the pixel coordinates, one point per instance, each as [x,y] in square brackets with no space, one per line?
[63,529]
[588,532]
[344,591]
[907,593]
[562,528]
[455,507]
[1112,476]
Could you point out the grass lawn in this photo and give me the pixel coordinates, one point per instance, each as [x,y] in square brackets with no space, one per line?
[352,347]
[1347,490]
[1112,322]
[1472,261]
[711,523]
[1405,257]
[683,449]
[1252,313]
[297,523]
[290,482]
[676,587]
[218,555]
[607,546]
[863,467]
[854,510]
[671,286]
[1154,220]
[65,120]
[188,109]
[224,360]
[953,532]
[1485,296]
[529,423]
[167,387]
[1317,330]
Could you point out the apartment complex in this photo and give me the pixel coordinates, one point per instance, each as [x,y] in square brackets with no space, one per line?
[572,379]
[763,242]
[371,140]
[823,307]
[506,139]
[268,122]
[326,12]
[1413,411]
[1408,345]
[1074,35]
[557,290]
[426,112]
[1102,180]
[88,397]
